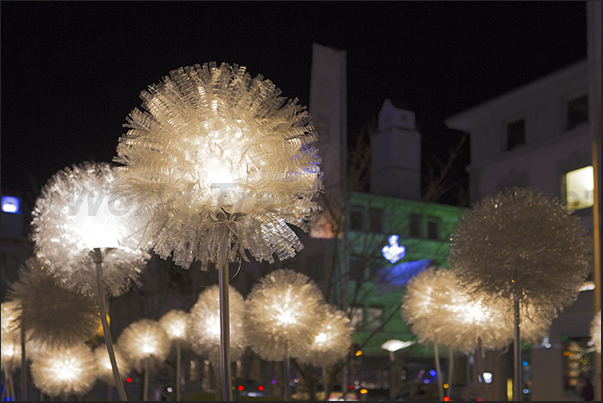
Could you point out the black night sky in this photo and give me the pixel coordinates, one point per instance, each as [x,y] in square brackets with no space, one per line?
[72,71]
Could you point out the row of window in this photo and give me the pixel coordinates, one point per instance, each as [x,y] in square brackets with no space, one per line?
[576,114]
[371,220]
[370,320]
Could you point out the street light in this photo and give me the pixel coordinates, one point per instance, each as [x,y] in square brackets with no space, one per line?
[392,346]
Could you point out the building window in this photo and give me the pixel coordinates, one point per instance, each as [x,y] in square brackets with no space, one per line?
[375,220]
[375,318]
[356,318]
[416,226]
[357,266]
[357,218]
[577,112]
[516,134]
[433,228]
[579,186]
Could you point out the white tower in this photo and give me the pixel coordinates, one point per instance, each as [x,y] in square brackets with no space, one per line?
[396,154]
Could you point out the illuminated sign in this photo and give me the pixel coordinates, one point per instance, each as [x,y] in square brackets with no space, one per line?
[393,252]
[10,205]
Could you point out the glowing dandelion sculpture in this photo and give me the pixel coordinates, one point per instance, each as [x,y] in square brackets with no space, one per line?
[174,322]
[11,346]
[521,244]
[282,312]
[144,343]
[595,332]
[51,315]
[219,164]
[80,238]
[332,342]
[65,371]
[204,327]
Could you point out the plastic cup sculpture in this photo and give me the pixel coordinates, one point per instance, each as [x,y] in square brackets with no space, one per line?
[219,164]
[331,344]
[283,311]
[204,327]
[392,346]
[144,343]
[81,240]
[595,332]
[518,244]
[104,370]
[11,346]
[174,322]
[65,371]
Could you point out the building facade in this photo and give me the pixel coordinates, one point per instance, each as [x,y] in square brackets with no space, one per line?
[538,135]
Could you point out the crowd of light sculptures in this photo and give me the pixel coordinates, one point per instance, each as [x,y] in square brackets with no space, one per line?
[144,344]
[11,345]
[175,322]
[331,344]
[281,322]
[521,244]
[204,327]
[60,372]
[218,164]
[51,315]
[80,238]
[595,332]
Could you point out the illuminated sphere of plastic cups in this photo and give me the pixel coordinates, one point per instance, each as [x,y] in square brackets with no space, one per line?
[52,315]
[218,164]
[204,324]
[332,342]
[104,372]
[283,311]
[521,242]
[174,322]
[65,371]
[144,342]
[595,332]
[75,213]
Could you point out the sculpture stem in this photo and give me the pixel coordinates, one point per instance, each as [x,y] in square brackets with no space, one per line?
[98,261]
[517,350]
[450,370]
[23,367]
[225,335]
[324,381]
[287,380]
[178,364]
[438,368]
[145,396]
[482,368]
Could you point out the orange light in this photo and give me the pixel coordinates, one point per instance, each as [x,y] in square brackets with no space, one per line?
[129,380]
[363,391]
[479,400]
[446,399]
[358,353]
[241,387]
[260,388]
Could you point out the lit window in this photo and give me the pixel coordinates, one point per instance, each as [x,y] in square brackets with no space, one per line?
[11,205]
[356,318]
[579,185]
[416,226]
[375,220]
[577,112]
[375,318]
[516,134]
[433,228]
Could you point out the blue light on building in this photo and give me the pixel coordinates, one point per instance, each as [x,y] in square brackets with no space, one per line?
[11,205]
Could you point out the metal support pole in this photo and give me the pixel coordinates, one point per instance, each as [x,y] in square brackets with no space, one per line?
[98,260]
[178,364]
[324,381]
[450,371]
[23,367]
[438,368]
[287,380]
[225,335]
[516,351]
[482,368]
[145,396]
[392,377]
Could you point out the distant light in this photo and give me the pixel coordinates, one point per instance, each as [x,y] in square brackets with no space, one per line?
[363,391]
[358,353]
[260,388]
[588,286]
[509,389]
[445,386]
[169,389]
[433,372]
[426,380]
[129,380]
[524,363]
[351,387]
[11,205]
[526,391]
[393,252]
[446,399]
[241,387]
[488,377]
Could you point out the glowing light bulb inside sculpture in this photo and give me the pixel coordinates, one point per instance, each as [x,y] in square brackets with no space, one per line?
[393,252]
